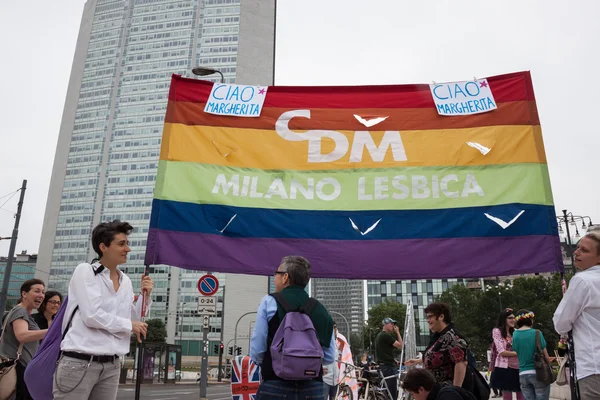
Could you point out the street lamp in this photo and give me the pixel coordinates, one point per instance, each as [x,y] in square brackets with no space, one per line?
[569,219]
[205,71]
[500,287]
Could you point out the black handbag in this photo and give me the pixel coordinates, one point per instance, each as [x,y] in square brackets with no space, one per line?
[543,371]
[481,389]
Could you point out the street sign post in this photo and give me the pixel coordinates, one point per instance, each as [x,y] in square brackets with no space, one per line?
[207,305]
[208,285]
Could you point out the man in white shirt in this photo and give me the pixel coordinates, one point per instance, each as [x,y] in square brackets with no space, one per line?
[579,311]
[101,301]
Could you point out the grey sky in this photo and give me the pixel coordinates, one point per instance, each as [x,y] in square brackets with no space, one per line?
[334,43]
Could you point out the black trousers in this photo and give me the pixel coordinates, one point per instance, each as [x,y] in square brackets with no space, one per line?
[388,370]
[22,392]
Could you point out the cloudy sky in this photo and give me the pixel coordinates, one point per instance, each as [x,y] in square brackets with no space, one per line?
[334,42]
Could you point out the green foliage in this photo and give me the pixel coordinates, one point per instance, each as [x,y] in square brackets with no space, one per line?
[356,345]
[475,313]
[157,332]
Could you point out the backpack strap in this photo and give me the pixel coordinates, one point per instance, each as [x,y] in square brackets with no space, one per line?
[306,308]
[282,302]
[309,306]
[70,321]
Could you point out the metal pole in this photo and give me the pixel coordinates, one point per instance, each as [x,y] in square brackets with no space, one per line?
[250,335]
[140,360]
[569,243]
[220,377]
[204,369]
[181,324]
[345,320]
[236,327]
[11,250]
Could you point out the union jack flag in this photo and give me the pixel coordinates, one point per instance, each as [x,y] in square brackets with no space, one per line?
[245,378]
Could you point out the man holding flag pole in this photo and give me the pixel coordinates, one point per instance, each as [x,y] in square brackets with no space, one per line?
[101,301]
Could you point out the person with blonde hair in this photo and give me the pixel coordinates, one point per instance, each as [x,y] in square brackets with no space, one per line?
[579,312]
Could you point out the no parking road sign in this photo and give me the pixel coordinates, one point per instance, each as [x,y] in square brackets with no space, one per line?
[208,285]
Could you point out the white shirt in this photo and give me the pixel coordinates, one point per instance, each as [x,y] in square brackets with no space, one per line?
[579,311]
[102,325]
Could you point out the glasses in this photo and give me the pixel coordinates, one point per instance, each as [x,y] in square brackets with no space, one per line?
[280,272]
[54,302]
[430,316]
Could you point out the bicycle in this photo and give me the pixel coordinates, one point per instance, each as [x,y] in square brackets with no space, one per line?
[344,392]
[374,385]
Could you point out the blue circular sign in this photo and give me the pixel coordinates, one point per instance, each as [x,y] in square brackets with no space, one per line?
[208,285]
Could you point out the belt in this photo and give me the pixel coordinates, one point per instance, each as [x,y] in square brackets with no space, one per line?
[88,357]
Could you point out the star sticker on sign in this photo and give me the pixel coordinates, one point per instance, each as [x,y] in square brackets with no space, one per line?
[261,91]
[483,84]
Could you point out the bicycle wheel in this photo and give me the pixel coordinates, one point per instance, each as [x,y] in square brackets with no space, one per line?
[344,393]
[380,395]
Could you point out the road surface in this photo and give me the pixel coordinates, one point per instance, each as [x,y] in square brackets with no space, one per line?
[179,391]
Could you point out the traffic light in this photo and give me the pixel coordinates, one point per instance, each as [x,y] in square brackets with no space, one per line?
[216,348]
[230,350]
[221,346]
[238,351]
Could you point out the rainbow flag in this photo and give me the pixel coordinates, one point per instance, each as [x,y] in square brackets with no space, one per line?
[366,182]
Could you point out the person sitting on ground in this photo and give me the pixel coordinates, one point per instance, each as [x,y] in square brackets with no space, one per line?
[422,385]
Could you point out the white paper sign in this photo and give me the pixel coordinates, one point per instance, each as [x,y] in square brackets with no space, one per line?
[236,100]
[463,98]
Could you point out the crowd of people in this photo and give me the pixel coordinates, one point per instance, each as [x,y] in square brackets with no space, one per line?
[295,339]
[446,369]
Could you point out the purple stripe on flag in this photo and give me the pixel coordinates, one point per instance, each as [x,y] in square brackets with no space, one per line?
[355,259]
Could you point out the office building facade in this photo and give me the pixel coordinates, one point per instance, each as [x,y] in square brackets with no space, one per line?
[344,299]
[421,292]
[109,140]
[23,269]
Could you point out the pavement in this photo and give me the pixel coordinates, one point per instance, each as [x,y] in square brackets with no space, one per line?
[189,390]
[175,391]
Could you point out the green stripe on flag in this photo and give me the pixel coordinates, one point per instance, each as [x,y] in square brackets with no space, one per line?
[406,188]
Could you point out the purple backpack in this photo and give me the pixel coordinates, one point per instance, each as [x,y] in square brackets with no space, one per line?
[40,370]
[295,351]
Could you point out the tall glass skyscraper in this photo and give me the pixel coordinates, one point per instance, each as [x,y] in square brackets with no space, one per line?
[344,299]
[109,140]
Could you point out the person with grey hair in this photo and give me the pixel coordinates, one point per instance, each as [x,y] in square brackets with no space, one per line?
[291,278]
[579,312]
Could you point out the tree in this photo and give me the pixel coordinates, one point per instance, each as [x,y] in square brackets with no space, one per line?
[157,332]
[356,345]
[475,313]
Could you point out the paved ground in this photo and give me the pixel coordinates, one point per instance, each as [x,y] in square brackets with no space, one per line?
[179,391]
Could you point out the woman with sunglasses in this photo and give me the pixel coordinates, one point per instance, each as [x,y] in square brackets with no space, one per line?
[505,376]
[48,309]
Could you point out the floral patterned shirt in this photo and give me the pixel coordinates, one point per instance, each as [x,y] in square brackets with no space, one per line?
[446,350]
